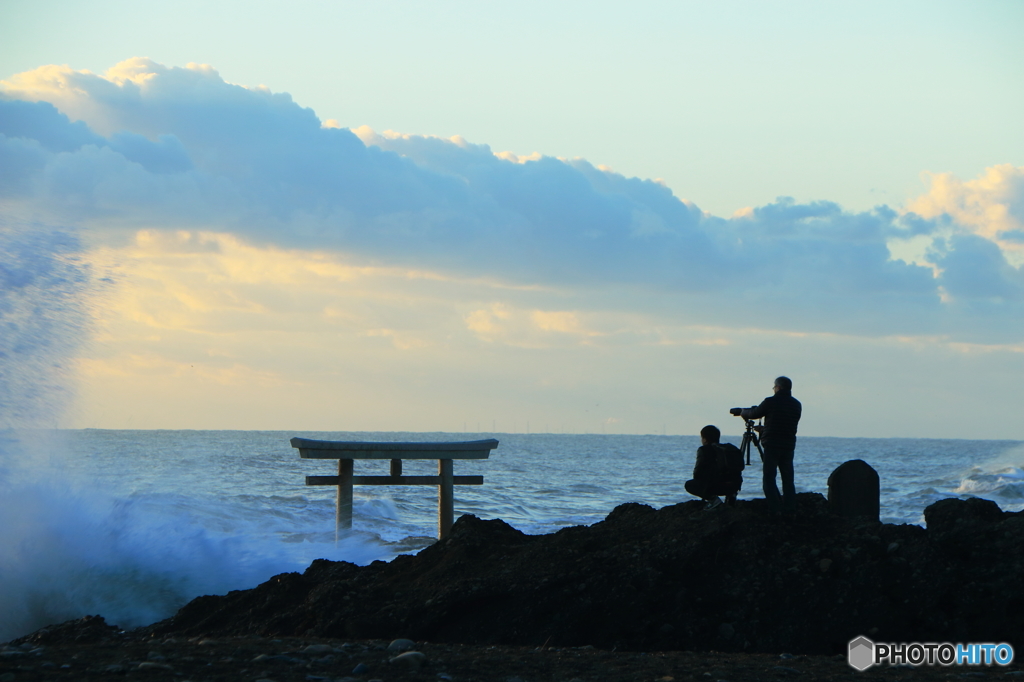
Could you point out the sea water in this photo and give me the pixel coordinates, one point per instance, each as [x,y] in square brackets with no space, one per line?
[133,524]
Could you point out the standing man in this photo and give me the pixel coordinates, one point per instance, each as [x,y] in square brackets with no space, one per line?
[781,412]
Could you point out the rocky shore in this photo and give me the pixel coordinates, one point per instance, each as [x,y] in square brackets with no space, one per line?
[677,578]
[732,586]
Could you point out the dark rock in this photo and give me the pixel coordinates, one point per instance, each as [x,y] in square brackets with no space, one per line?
[946,516]
[853,490]
[80,631]
[665,579]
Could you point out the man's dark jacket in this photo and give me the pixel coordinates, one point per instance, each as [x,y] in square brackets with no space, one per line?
[781,413]
[707,469]
[706,466]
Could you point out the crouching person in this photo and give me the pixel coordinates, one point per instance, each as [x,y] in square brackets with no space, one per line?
[718,470]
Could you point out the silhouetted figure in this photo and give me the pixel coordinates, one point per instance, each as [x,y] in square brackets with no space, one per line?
[781,412]
[714,472]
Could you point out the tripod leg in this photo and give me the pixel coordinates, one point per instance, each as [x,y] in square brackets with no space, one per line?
[757,442]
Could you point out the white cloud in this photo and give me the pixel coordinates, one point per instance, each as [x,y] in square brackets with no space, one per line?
[991,206]
[145,146]
[562,321]
[255,232]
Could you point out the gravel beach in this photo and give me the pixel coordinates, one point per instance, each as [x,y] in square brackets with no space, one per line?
[322,660]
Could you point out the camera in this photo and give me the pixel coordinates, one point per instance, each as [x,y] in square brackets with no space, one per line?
[736,411]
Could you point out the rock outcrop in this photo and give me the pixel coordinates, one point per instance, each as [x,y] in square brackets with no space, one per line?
[728,579]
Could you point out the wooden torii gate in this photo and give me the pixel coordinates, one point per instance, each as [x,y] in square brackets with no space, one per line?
[348,451]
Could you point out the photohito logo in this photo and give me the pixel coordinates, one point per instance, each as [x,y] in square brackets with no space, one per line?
[863,653]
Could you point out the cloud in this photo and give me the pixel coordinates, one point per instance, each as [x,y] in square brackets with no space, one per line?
[148,146]
[991,206]
[975,268]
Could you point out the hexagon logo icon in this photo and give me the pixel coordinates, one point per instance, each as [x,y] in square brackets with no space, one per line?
[861,654]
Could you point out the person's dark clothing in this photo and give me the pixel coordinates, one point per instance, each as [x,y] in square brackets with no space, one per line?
[706,466]
[781,414]
[709,481]
[781,459]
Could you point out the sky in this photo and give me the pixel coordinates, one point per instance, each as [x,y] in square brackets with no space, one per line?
[514,217]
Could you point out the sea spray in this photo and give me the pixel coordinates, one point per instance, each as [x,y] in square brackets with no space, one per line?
[1000,479]
[69,552]
[42,319]
[70,543]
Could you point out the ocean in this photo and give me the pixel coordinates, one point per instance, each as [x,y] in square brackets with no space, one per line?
[133,524]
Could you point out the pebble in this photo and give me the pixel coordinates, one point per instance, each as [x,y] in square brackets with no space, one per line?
[7,677]
[361,669]
[400,645]
[155,656]
[318,649]
[413,659]
[788,671]
[153,665]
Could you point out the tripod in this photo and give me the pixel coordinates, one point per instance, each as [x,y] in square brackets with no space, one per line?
[750,436]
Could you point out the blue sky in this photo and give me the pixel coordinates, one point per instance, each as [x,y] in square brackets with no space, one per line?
[581,217]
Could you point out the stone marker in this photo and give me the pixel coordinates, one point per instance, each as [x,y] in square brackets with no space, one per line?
[853,490]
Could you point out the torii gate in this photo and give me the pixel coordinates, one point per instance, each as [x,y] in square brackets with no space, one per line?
[348,451]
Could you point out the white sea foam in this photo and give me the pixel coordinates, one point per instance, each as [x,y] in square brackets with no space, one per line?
[70,549]
[80,538]
[1001,479]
